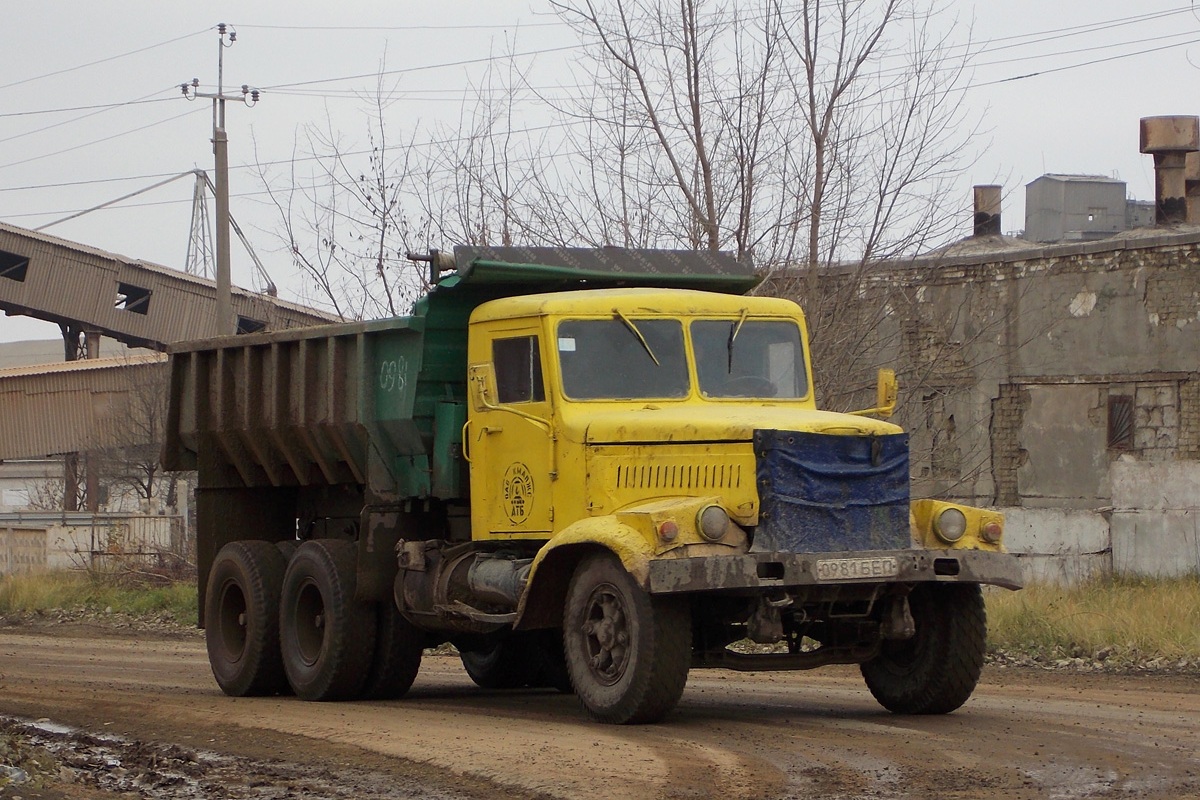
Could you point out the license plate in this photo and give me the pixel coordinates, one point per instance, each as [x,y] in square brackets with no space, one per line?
[848,569]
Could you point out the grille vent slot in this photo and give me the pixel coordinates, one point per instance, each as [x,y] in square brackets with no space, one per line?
[679,476]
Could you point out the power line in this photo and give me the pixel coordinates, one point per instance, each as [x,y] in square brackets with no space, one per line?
[1054,33]
[104,60]
[85,108]
[1091,49]
[112,202]
[85,116]
[1094,61]
[1073,30]
[100,141]
[66,184]
[421,68]
[545,127]
[402,27]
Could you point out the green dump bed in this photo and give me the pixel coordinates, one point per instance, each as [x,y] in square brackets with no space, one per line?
[302,407]
[380,403]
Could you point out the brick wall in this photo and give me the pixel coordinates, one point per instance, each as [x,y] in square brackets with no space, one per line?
[1008,416]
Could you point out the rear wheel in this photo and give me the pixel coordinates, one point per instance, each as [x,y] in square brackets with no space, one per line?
[508,663]
[552,672]
[627,652]
[936,670]
[397,659]
[327,638]
[241,619]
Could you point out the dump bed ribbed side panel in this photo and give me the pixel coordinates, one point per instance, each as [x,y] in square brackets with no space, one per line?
[296,408]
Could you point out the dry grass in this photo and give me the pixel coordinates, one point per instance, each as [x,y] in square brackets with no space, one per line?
[70,591]
[1125,618]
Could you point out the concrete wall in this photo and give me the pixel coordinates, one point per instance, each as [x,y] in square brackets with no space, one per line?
[20,481]
[1156,518]
[1059,545]
[37,542]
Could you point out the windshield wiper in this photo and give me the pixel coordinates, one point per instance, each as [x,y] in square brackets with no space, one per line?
[733,332]
[634,329]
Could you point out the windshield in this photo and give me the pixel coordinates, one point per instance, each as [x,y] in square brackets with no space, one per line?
[622,359]
[749,358]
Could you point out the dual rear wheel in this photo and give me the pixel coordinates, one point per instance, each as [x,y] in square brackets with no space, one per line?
[275,624]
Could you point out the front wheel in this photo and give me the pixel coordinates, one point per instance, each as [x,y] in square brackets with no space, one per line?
[936,670]
[627,652]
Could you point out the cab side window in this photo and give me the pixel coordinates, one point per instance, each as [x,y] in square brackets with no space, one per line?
[518,368]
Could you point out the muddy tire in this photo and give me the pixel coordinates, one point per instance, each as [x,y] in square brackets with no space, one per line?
[627,652]
[288,548]
[241,619]
[397,659]
[552,671]
[509,663]
[936,670]
[327,638]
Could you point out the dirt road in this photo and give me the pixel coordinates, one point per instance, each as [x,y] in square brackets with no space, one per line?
[819,734]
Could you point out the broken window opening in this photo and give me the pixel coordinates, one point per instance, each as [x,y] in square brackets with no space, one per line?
[13,267]
[133,298]
[248,325]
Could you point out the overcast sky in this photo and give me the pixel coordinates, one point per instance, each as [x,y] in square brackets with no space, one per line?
[1060,87]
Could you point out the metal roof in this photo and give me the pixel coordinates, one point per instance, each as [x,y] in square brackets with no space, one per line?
[1065,178]
[80,405]
[83,365]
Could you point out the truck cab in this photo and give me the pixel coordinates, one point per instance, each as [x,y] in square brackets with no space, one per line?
[585,403]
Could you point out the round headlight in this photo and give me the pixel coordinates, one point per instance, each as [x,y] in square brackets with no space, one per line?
[712,522]
[950,525]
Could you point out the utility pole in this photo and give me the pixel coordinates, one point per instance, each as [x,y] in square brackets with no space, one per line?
[226,322]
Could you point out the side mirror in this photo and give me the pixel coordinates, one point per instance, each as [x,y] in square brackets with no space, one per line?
[481,385]
[886,393]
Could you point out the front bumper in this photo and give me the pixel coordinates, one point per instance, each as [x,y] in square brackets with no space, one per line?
[764,571]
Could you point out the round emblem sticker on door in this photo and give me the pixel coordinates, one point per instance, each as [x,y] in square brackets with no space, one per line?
[518,493]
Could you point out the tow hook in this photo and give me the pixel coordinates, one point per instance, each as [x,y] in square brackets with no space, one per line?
[899,621]
[765,625]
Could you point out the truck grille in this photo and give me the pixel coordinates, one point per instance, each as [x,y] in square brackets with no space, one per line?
[678,476]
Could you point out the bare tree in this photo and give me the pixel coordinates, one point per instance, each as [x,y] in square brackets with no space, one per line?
[345,224]
[802,133]
[133,468]
[676,136]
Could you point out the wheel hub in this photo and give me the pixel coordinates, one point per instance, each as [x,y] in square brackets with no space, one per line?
[606,635]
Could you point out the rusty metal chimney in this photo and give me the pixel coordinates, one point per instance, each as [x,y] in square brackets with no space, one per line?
[987,210]
[1169,140]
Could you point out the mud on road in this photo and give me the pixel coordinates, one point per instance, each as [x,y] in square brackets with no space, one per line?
[148,721]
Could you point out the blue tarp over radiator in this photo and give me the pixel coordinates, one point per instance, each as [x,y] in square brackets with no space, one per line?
[820,492]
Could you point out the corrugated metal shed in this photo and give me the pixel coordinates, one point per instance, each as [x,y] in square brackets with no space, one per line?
[80,405]
[136,302]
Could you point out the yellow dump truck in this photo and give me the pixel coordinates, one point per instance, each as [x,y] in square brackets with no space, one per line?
[589,470]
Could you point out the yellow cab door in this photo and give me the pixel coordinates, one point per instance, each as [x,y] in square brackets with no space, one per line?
[508,434]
